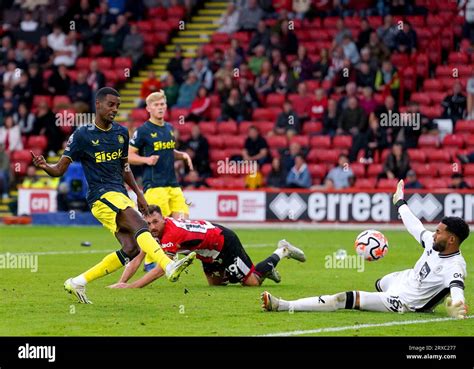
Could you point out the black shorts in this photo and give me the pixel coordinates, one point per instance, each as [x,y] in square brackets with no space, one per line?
[233,265]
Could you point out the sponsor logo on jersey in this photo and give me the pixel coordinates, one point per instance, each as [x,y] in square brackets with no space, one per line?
[164,145]
[102,156]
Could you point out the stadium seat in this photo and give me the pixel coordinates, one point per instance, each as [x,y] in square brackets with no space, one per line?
[440,156]
[215,142]
[215,101]
[19,168]
[215,113]
[342,142]
[424,170]
[277,142]
[266,114]
[37,99]
[234,183]
[61,100]
[464,126]
[122,62]
[320,142]
[468,169]
[428,141]
[233,141]
[453,140]
[436,97]
[275,100]
[220,38]
[416,155]
[458,58]
[21,155]
[266,169]
[373,170]
[139,115]
[104,63]
[83,63]
[358,169]
[365,183]
[95,50]
[421,98]
[432,85]
[37,141]
[227,128]
[422,65]
[447,170]
[302,140]
[216,154]
[433,183]
[178,114]
[184,129]
[208,128]
[317,170]
[329,156]
[431,112]
[311,128]
[215,182]
[469,181]
[265,127]
[387,183]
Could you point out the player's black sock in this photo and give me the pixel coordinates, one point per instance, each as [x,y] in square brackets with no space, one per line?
[267,265]
[350,300]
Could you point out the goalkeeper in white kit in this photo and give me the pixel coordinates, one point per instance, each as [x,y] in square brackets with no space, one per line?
[438,273]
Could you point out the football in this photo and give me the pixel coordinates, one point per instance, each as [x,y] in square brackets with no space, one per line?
[371,245]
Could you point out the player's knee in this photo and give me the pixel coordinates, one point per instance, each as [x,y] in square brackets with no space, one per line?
[131,250]
[252,281]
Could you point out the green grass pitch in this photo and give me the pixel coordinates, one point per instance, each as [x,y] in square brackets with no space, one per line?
[35,304]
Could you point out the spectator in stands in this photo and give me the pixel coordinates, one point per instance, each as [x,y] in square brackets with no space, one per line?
[397,163]
[28,24]
[133,44]
[188,91]
[24,119]
[287,122]
[275,59]
[4,172]
[299,176]
[200,151]
[457,182]
[174,66]
[342,31]
[150,85]
[95,78]
[405,40]
[468,26]
[264,83]
[288,38]
[371,142]
[201,55]
[80,93]
[319,105]
[365,77]
[193,181]
[465,159]
[91,33]
[366,57]
[23,91]
[345,75]
[45,125]
[302,66]
[36,79]
[171,90]
[340,176]
[248,94]
[11,76]
[10,135]
[226,71]
[409,134]
[368,102]
[378,50]
[224,86]
[56,39]
[364,34]
[246,73]
[382,111]
[260,37]
[331,118]
[33,180]
[387,32]
[44,53]
[249,16]
[257,60]
[470,98]
[256,147]
[234,108]
[276,178]
[204,75]
[411,181]
[455,105]
[123,28]
[387,78]
[229,21]
[337,62]
[353,119]
[106,18]
[6,45]
[111,42]
[217,61]
[7,109]
[67,54]
[275,43]
[289,154]
[302,102]
[59,82]
[285,81]
[321,67]
[200,107]
[350,50]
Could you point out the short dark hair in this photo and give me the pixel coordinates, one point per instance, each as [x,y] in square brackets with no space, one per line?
[456,226]
[154,209]
[104,91]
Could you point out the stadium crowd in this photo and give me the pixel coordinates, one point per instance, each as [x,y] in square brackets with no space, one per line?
[305,86]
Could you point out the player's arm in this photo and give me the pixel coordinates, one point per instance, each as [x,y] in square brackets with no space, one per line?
[411,222]
[132,268]
[151,276]
[181,155]
[456,304]
[135,159]
[53,170]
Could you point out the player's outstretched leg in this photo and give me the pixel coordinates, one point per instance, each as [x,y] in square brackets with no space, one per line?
[77,290]
[266,268]
[317,303]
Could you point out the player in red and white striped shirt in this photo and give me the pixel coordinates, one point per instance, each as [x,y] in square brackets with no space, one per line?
[223,257]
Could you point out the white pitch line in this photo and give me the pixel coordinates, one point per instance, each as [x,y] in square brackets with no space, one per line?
[358,326]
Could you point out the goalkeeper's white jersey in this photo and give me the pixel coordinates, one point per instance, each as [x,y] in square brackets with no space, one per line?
[424,286]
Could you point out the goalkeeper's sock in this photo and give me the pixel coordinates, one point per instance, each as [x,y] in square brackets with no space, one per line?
[149,245]
[107,265]
[317,303]
[266,266]
[281,252]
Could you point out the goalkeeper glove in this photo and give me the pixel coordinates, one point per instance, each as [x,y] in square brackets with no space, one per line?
[457,310]
[398,195]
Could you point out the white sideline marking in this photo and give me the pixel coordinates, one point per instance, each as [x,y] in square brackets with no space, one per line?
[358,326]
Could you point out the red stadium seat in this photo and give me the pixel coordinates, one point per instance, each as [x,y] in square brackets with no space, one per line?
[37,141]
[453,140]
[215,182]
[104,63]
[421,98]
[266,169]
[468,169]
[139,115]
[320,142]
[310,128]
[177,11]
[447,170]
[234,183]
[317,170]
[436,97]
[432,85]
[373,170]
[422,65]
[215,113]
[433,183]
[329,156]
[313,156]
[365,183]
[208,128]
[432,112]
[440,156]
[275,100]
[265,127]
[342,142]
[266,114]
[37,99]
[277,142]
[464,126]
[95,50]
[416,155]
[122,62]
[227,128]
[358,169]
[469,181]
[234,142]
[220,38]
[83,63]
[387,183]
[215,142]
[302,140]
[19,168]
[244,127]
[424,170]
[428,141]
[61,100]
[215,101]
[178,114]
[216,155]
[21,155]
[458,58]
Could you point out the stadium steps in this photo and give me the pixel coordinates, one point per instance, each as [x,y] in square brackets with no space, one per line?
[197,32]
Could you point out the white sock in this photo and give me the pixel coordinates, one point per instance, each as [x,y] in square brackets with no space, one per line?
[281,252]
[80,280]
[317,303]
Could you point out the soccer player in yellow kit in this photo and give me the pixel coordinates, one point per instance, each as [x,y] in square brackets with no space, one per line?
[102,149]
